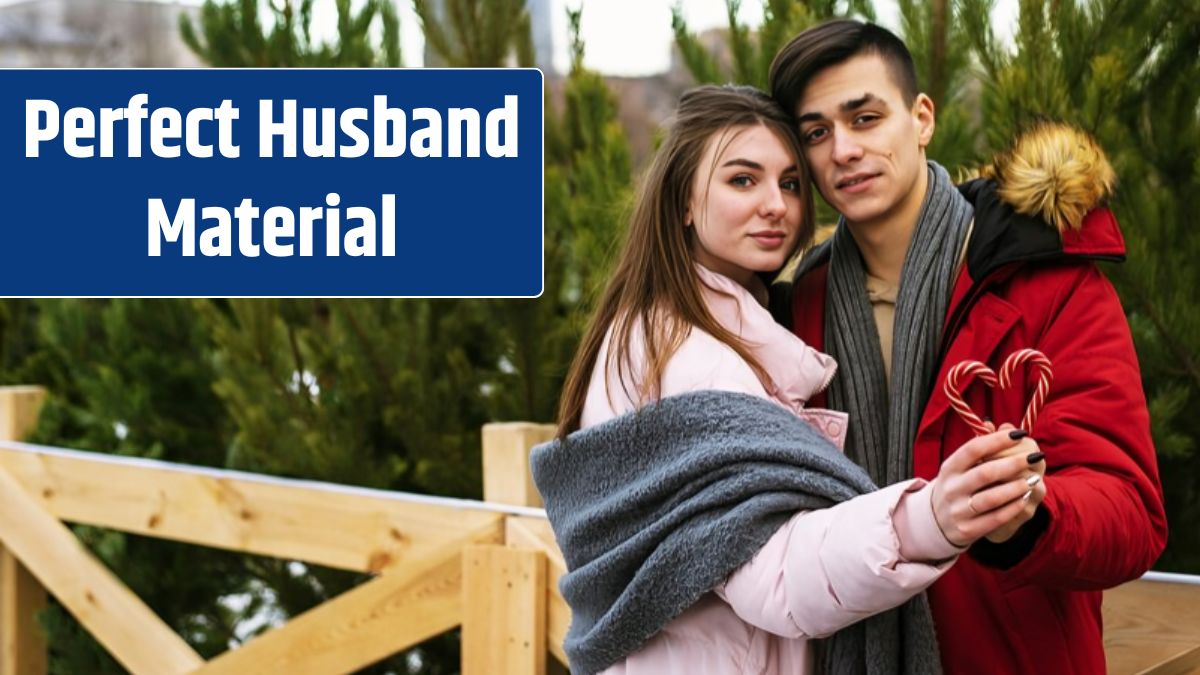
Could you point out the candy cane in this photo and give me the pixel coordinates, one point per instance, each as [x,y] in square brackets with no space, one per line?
[968,370]
[1041,363]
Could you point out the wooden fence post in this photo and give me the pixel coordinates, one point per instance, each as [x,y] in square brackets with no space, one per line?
[506,475]
[22,645]
[504,611]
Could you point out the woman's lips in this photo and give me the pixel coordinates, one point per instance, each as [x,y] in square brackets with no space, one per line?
[769,240]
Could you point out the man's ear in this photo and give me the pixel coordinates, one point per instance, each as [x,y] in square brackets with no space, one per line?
[924,119]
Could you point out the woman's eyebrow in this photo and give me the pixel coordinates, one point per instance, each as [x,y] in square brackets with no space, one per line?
[743,162]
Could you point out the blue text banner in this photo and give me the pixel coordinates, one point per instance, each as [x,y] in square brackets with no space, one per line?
[271,182]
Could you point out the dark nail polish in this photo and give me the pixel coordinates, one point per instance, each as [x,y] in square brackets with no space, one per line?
[1017,434]
[1035,457]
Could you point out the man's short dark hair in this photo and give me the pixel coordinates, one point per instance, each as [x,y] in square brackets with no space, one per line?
[834,42]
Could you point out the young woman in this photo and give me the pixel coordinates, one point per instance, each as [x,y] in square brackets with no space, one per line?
[709,522]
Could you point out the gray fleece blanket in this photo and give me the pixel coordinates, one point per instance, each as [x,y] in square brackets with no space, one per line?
[653,509]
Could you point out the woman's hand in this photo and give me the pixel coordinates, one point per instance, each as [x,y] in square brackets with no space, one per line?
[987,487]
[1027,447]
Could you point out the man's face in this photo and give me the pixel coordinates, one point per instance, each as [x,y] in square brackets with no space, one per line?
[866,147]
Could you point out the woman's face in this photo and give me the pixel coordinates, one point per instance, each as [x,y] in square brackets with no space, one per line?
[745,203]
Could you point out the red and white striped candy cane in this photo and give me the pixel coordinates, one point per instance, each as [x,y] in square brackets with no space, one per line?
[958,376]
[1041,363]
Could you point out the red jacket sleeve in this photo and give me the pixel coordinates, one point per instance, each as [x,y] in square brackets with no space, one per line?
[1104,518]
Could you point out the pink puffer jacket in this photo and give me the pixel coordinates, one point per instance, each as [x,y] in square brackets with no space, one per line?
[820,572]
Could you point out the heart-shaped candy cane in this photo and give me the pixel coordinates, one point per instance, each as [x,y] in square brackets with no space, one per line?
[961,374]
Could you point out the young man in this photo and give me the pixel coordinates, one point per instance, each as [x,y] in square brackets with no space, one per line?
[920,276]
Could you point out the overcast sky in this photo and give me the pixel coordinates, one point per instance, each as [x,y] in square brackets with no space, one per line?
[625,37]
[633,37]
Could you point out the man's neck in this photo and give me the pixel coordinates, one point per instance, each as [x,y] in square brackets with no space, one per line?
[884,242]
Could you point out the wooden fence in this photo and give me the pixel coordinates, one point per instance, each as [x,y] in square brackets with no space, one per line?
[491,567]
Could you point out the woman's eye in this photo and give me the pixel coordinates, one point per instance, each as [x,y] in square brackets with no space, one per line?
[790,184]
[741,180]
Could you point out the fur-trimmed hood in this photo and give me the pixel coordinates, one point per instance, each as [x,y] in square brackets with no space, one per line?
[1043,199]
[1053,172]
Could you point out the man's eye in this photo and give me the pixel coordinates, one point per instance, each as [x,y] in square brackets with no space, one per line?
[814,135]
[865,119]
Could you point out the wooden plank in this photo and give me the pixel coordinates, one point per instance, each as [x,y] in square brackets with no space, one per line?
[19,409]
[22,645]
[363,625]
[504,611]
[506,475]
[535,533]
[299,520]
[1187,663]
[1150,625]
[116,617]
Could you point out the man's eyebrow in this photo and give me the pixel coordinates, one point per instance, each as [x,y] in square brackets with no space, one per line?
[845,106]
[859,102]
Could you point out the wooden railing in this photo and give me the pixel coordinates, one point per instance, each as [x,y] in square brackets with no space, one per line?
[491,567]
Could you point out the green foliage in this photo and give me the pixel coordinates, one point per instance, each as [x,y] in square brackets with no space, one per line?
[940,46]
[131,377]
[378,393]
[477,33]
[751,52]
[233,35]
[587,188]
[1128,73]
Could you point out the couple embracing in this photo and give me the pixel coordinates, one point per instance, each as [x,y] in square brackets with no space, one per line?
[758,478]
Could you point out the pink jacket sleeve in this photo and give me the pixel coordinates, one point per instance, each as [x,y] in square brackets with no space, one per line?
[829,568]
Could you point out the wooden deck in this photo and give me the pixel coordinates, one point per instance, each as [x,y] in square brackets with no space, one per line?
[490,567]
[1153,627]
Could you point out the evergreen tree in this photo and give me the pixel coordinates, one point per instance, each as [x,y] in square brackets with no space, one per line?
[1128,73]
[587,187]
[477,33]
[751,52]
[587,179]
[233,36]
[134,377]
[940,47]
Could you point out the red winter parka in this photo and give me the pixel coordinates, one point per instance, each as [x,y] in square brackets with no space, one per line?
[1032,604]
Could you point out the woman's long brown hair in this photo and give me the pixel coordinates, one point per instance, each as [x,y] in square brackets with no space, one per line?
[654,283]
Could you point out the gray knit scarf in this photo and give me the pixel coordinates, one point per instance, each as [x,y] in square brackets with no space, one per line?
[654,509]
[883,423]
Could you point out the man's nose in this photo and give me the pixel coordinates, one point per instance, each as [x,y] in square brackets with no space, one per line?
[846,148]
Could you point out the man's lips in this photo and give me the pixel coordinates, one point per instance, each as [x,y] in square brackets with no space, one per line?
[857,183]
